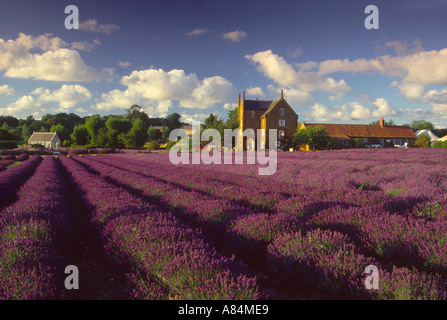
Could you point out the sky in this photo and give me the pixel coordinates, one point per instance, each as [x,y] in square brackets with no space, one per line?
[194,57]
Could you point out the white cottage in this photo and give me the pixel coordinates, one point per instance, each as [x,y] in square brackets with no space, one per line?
[49,140]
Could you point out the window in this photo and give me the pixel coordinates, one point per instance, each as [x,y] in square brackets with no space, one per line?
[365,140]
[252,113]
[278,143]
[281,111]
[280,134]
[282,123]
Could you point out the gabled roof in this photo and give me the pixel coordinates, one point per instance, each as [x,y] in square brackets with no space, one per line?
[366,131]
[428,133]
[271,107]
[444,138]
[42,136]
[257,104]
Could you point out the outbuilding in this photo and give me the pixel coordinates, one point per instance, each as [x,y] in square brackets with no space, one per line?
[49,140]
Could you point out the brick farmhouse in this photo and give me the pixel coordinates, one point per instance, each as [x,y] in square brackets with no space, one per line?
[265,114]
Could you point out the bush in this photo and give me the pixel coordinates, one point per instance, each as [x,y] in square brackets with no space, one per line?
[440,144]
[153,145]
[422,142]
[170,144]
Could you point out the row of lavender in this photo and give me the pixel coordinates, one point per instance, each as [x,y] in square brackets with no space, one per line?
[168,259]
[31,233]
[415,236]
[13,178]
[355,201]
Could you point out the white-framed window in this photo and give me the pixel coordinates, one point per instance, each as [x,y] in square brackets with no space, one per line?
[282,122]
[281,111]
[280,134]
[252,113]
[278,143]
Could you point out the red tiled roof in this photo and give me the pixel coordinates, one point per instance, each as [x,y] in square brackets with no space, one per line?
[366,131]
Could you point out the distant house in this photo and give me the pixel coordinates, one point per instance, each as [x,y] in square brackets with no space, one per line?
[429,134]
[265,114]
[444,138]
[366,135]
[48,140]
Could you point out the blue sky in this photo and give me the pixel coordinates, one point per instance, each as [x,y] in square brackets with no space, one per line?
[194,57]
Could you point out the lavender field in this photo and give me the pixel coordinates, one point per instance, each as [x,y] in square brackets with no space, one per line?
[139,227]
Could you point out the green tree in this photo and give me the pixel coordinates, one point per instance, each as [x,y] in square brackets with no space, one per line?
[232,122]
[61,132]
[43,129]
[165,133]
[422,141]
[26,132]
[172,121]
[16,134]
[80,135]
[214,122]
[136,137]
[12,122]
[116,125]
[420,125]
[316,137]
[93,124]
[135,112]
[36,125]
[152,133]
[102,138]
[6,126]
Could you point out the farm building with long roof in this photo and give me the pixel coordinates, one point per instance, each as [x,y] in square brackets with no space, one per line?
[345,135]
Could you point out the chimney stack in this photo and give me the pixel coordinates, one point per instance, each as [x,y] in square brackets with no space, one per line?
[282,95]
[243,95]
[381,122]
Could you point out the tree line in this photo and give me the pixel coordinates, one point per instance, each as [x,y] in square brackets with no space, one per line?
[131,130]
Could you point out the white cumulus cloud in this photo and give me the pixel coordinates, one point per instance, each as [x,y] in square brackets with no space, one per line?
[234,36]
[284,74]
[157,90]
[56,62]
[92,25]
[6,90]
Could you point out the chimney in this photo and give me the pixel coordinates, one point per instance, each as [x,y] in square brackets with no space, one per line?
[282,95]
[243,95]
[381,122]
[256,98]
